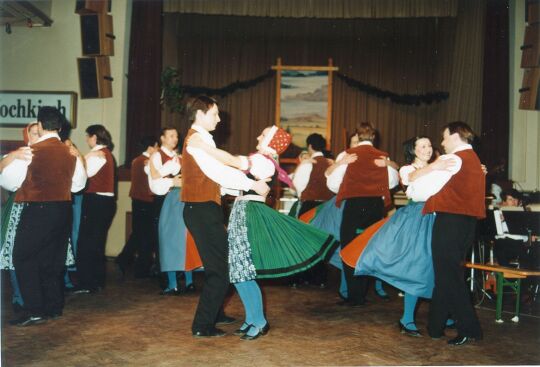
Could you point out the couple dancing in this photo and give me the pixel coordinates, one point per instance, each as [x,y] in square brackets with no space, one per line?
[260,243]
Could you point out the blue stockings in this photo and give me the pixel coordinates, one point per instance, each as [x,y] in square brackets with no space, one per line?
[251,297]
[409,305]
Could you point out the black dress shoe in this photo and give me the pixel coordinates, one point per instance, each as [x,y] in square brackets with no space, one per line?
[385,297]
[170,292]
[209,333]
[460,340]
[28,321]
[263,331]
[405,330]
[243,329]
[225,320]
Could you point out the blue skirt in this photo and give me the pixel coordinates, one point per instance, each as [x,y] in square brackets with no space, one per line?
[172,233]
[328,219]
[400,252]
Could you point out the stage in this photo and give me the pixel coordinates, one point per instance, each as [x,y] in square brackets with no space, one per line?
[129,324]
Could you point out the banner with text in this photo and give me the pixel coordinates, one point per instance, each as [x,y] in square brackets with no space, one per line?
[18,108]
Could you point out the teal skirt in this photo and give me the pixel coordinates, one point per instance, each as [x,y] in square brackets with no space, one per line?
[264,243]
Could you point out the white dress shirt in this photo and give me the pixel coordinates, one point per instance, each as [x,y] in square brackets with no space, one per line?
[336,177]
[303,173]
[162,185]
[428,185]
[230,179]
[13,176]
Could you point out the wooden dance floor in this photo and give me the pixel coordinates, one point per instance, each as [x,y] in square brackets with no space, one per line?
[129,324]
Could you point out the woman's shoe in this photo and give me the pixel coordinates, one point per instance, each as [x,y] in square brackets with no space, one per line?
[243,329]
[410,332]
[170,292]
[263,331]
[385,297]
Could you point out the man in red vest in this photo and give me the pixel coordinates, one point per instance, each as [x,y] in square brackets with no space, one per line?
[44,185]
[203,177]
[365,188]
[458,205]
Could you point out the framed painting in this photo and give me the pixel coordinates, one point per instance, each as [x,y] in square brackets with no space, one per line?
[304,101]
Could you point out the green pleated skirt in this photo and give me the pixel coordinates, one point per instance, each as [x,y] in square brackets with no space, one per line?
[264,243]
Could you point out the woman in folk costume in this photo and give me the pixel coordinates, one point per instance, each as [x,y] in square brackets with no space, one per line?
[264,243]
[177,251]
[397,249]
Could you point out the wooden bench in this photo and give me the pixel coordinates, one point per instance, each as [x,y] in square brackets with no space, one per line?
[510,277]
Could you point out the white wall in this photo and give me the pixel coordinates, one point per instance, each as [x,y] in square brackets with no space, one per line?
[45,59]
[524,125]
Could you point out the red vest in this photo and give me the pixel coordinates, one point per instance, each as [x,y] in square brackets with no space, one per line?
[164,156]
[49,175]
[465,191]
[103,180]
[363,178]
[139,180]
[316,188]
[196,186]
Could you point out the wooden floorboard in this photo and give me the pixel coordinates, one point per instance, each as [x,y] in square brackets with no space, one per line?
[129,324]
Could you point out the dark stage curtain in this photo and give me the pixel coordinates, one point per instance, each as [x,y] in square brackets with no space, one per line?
[144,88]
[316,8]
[403,55]
[495,106]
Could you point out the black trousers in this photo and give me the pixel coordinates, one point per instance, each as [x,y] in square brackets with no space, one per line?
[205,222]
[358,214]
[96,218]
[142,240]
[39,255]
[453,235]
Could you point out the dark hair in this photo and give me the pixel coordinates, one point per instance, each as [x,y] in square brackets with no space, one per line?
[513,193]
[51,119]
[65,131]
[203,103]
[465,132]
[409,146]
[164,130]
[366,132]
[102,135]
[317,142]
[147,141]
